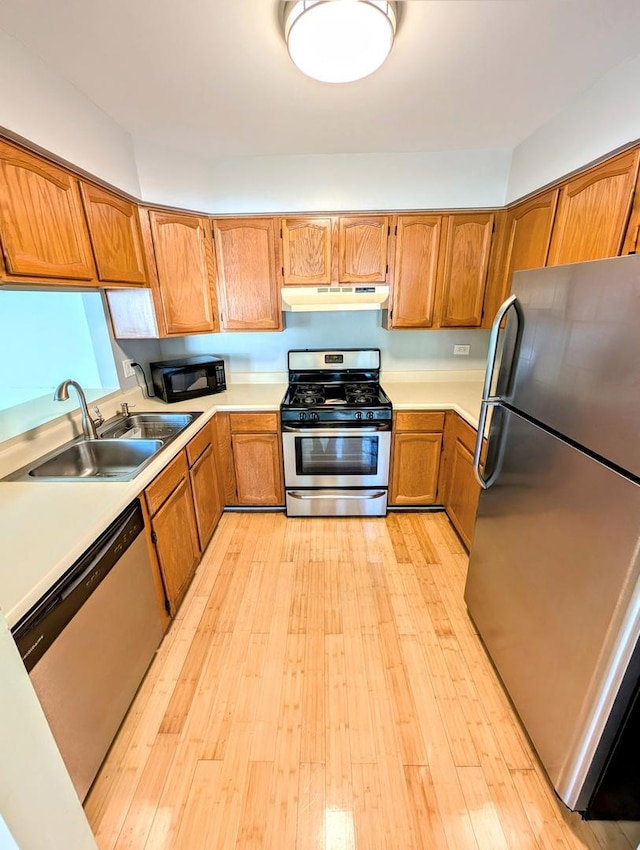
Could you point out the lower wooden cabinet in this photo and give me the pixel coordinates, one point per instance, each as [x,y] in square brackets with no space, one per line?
[459,489]
[432,464]
[204,484]
[251,454]
[415,462]
[184,507]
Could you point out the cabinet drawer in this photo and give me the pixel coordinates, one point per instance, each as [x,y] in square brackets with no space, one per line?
[161,487]
[253,423]
[418,420]
[198,444]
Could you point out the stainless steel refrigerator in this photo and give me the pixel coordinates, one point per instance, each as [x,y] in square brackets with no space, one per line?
[554,574]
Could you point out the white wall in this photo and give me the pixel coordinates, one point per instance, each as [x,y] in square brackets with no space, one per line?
[252,184]
[38,104]
[599,120]
[402,351]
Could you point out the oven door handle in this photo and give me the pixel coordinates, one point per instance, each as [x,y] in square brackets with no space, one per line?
[305,495]
[337,431]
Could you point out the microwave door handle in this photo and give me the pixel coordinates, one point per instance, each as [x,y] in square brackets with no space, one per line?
[511,303]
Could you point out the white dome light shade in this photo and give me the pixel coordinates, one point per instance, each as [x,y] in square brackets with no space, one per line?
[338,41]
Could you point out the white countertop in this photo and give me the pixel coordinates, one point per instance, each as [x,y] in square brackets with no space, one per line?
[46,526]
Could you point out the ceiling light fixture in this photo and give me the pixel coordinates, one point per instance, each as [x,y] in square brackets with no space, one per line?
[338,41]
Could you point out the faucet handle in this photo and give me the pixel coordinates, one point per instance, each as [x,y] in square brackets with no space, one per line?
[99,417]
[125,407]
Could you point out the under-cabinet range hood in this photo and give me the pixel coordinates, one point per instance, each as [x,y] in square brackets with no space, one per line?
[310,299]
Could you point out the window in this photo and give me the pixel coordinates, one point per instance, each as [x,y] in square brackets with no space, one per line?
[46,337]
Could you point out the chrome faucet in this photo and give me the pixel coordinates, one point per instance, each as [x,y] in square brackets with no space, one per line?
[62,394]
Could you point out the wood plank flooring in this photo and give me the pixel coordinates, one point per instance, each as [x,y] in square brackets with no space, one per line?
[323,687]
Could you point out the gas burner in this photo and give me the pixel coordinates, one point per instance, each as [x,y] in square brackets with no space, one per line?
[360,394]
[308,394]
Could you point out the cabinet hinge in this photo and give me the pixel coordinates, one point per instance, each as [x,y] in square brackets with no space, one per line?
[154,537]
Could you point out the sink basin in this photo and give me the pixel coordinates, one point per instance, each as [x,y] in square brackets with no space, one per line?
[148,426]
[125,446]
[116,460]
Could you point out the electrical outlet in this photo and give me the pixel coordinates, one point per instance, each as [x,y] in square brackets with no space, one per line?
[127,369]
[461,349]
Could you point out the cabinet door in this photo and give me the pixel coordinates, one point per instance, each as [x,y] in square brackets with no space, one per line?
[468,246]
[528,235]
[114,229]
[593,210]
[258,469]
[248,274]
[176,541]
[459,490]
[184,266]
[362,247]
[415,271]
[206,496]
[464,492]
[44,233]
[306,248]
[416,462]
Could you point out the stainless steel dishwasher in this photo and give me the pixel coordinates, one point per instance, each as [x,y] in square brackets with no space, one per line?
[89,641]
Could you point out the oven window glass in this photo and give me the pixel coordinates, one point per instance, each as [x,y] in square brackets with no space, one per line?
[189,380]
[337,455]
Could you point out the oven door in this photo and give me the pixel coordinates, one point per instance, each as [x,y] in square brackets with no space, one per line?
[339,456]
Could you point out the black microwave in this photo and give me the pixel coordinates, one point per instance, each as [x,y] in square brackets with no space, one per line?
[187,377]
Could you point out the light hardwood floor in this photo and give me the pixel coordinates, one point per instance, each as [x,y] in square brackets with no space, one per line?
[323,687]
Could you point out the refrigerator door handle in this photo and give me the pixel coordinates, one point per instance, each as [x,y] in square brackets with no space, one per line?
[487,482]
[511,303]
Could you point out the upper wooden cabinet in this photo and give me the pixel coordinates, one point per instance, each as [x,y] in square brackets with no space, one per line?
[42,225]
[363,247]
[322,250]
[185,272]
[521,241]
[306,250]
[114,229]
[528,235]
[466,261]
[247,254]
[415,271]
[593,211]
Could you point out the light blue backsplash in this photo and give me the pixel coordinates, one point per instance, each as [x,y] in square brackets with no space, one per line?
[402,351]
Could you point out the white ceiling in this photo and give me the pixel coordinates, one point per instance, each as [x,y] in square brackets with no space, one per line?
[214,78]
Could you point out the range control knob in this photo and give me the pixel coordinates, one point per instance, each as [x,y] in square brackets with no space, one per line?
[302,415]
[370,414]
[314,416]
[358,414]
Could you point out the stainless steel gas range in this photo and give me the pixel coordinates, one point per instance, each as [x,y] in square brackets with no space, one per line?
[336,434]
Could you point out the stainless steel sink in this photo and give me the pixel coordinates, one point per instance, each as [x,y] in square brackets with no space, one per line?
[147,426]
[116,460]
[125,446]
